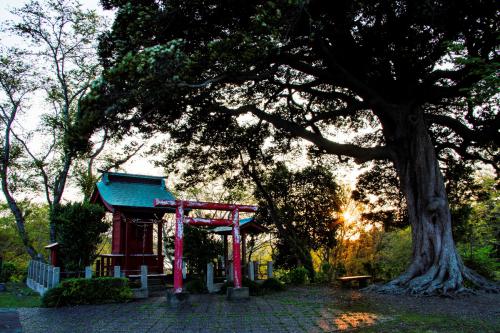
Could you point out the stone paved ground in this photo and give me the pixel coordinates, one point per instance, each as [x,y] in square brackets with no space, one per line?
[9,321]
[301,309]
[296,310]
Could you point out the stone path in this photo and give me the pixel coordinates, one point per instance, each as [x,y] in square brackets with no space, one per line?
[9,321]
[297,310]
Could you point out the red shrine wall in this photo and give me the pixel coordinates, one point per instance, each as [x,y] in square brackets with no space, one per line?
[140,238]
[117,233]
[134,242]
[138,241]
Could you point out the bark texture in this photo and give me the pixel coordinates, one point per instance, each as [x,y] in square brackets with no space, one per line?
[436,266]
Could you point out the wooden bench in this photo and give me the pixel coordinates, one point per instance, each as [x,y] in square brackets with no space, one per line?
[346,281]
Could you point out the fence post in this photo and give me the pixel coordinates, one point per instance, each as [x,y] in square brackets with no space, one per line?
[251,271]
[256,268]
[35,274]
[56,272]
[144,277]
[88,272]
[184,269]
[50,273]
[231,275]
[46,280]
[117,272]
[210,277]
[28,278]
[42,278]
[269,269]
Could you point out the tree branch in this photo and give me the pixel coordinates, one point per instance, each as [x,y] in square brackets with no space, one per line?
[360,154]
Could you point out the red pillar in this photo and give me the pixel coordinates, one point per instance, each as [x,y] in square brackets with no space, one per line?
[160,247]
[116,247]
[236,248]
[178,243]
[127,240]
[243,249]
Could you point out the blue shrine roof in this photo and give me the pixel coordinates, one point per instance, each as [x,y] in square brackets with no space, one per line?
[132,191]
[248,224]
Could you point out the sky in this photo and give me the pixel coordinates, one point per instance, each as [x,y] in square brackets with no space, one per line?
[137,165]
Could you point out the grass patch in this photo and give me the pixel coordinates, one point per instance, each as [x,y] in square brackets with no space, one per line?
[19,296]
[413,323]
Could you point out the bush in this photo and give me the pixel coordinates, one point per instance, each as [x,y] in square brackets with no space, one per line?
[481,260]
[325,275]
[394,256]
[80,228]
[196,286]
[298,275]
[282,275]
[9,272]
[88,291]
[254,288]
[272,284]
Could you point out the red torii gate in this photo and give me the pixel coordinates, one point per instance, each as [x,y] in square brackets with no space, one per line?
[180,220]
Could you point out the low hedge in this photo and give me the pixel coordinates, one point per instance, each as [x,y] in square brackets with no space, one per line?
[272,285]
[88,291]
[256,289]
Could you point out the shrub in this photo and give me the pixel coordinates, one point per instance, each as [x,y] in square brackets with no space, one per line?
[196,286]
[298,275]
[80,228]
[325,275]
[481,260]
[282,275]
[394,256]
[88,291]
[272,284]
[9,272]
[254,288]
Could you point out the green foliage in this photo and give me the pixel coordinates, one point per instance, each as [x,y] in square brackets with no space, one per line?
[196,286]
[253,287]
[325,274]
[200,248]
[10,272]
[298,276]
[11,246]
[300,207]
[88,291]
[19,296]
[394,254]
[79,230]
[272,285]
[482,260]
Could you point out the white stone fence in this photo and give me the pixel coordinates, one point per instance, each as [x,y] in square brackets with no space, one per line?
[41,276]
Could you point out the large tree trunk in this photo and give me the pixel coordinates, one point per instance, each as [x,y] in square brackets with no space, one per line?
[436,266]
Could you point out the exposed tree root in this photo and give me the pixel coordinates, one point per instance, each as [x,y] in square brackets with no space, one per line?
[437,282]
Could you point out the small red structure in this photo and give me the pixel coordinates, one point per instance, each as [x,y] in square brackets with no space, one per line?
[234,222]
[129,198]
[138,204]
[53,253]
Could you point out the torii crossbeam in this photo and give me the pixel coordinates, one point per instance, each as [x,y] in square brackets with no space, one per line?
[180,220]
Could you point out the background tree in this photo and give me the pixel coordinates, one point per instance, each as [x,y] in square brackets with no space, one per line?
[42,85]
[60,39]
[302,212]
[80,228]
[200,248]
[16,82]
[12,248]
[305,66]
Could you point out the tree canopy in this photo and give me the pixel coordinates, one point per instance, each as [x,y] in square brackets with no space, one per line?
[421,74]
